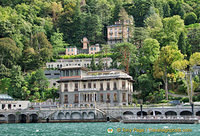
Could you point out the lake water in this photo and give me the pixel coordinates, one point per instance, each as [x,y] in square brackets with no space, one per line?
[98,129]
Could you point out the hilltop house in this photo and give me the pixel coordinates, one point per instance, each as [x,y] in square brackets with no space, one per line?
[85,50]
[119,32]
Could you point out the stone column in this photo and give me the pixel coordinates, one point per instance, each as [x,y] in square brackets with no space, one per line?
[127,98]
[120,98]
[79,99]
[62,98]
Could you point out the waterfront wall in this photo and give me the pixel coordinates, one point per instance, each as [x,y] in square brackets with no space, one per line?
[93,114]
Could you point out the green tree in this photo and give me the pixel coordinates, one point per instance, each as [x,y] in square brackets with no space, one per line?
[172,28]
[125,53]
[100,65]
[16,82]
[57,43]
[105,50]
[163,65]
[182,43]
[194,39]
[9,52]
[149,53]
[42,48]
[140,34]
[93,64]
[190,18]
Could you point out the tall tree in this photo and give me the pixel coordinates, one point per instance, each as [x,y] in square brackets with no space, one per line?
[182,43]
[149,53]
[42,47]
[9,52]
[57,43]
[105,50]
[93,64]
[163,65]
[125,53]
[194,38]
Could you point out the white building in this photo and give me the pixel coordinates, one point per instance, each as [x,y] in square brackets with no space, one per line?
[80,87]
[8,103]
[84,62]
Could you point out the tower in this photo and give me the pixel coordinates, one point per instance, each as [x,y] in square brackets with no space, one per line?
[85,42]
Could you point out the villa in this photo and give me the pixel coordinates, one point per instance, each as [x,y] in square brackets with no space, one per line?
[80,87]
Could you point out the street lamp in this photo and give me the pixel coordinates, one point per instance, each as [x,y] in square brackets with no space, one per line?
[140,101]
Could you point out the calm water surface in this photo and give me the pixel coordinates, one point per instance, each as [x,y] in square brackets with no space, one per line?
[96,129]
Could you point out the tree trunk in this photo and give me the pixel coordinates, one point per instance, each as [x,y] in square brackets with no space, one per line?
[166,88]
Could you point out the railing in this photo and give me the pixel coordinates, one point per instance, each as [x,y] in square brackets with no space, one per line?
[88,89]
[161,117]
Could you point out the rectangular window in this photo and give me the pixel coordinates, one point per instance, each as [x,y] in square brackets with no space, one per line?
[108,98]
[67,73]
[77,73]
[66,88]
[115,86]
[123,84]
[115,97]
[91,49]
[71,49]
[9,106]
[76,98]
[101,86]
[101,97]
[3,106]
[89,85]
[124,97]
[94,48]
[84,86]
[76,87]
[85,97]
[108,86]
[90,97]
[94,85]
[66,99]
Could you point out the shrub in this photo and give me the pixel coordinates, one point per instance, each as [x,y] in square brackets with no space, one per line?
[185,99]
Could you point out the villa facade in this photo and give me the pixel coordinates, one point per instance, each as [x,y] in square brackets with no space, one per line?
[119,32]
[80,87]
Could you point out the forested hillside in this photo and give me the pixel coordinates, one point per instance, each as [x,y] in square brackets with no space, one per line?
[165,41]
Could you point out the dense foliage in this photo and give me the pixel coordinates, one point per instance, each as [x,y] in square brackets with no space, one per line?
[33,32]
